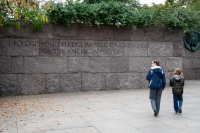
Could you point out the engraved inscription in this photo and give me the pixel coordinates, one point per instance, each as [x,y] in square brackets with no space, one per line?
[81,47]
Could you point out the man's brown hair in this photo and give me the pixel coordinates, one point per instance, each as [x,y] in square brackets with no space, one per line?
[157,62]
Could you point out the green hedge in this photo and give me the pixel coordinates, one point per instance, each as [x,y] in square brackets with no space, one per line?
[120,14]
[109,13]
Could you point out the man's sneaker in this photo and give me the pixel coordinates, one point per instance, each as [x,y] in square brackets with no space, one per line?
[155,113]
[180,110]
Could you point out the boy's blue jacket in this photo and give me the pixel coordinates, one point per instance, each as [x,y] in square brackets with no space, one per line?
[156,78]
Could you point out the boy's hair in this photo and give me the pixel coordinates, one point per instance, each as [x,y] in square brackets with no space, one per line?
[157,62]
[177,71]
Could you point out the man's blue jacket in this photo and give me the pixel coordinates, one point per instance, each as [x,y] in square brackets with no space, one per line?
[156,78]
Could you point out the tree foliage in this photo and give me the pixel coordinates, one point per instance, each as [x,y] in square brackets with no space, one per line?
[190,4]
[13,12]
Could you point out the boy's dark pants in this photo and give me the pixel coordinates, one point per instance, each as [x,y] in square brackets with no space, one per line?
[178,101]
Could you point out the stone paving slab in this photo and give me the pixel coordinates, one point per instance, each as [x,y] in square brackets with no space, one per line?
[111,111]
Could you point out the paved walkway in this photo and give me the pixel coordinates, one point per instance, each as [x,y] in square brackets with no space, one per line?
[115,111]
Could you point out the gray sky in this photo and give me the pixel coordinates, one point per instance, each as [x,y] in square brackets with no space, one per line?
[149,2]
[152,1]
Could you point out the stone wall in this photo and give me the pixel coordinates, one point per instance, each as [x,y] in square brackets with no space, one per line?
[85,58]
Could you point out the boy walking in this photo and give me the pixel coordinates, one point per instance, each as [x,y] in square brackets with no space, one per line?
[177,83]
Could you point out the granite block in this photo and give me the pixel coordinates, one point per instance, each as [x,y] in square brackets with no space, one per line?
[191,54]
[18,64]
[160,49]
[52,83]
[8,84]
[197,74]
[0,45]
[92,82]
[20,47]
[139,64]
[45,32]
[119,64]
[196,64]
[187,63]
[5,64]
[122,33]
[70,82]
[23,32]
[4,32]
[189,74]
[65,32]
[29,84]
[45,64]
[103,32]
[176,35]
[117,81]
[99,64]
[78,64]
[172,63]
[179,49]
[143,82]
[147,34]
[135,48]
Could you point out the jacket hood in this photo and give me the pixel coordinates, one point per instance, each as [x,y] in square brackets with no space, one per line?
[177,77]
[157,69]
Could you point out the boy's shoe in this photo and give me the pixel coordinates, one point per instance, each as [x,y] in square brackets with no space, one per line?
[155,113]
[180,110]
